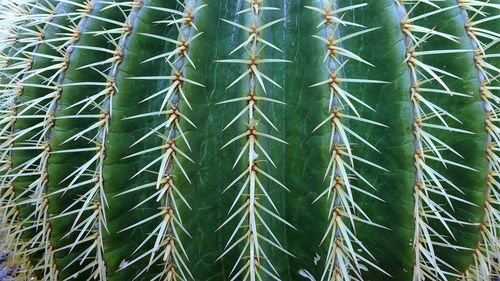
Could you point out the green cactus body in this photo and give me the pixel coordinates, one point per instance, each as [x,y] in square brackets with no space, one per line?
[250,140]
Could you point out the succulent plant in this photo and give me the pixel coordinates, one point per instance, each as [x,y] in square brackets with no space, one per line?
[329,140]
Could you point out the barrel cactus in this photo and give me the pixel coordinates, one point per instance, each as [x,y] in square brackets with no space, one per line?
[329,140]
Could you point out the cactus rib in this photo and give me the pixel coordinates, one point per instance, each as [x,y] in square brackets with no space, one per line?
[252,261]
[484,263]
[32,148]
[28,175]
[94,198]
[431,183]
[85,214]
[14,20]
[168,247]
[342,260]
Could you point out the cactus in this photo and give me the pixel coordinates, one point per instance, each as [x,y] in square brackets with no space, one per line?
[329,140]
